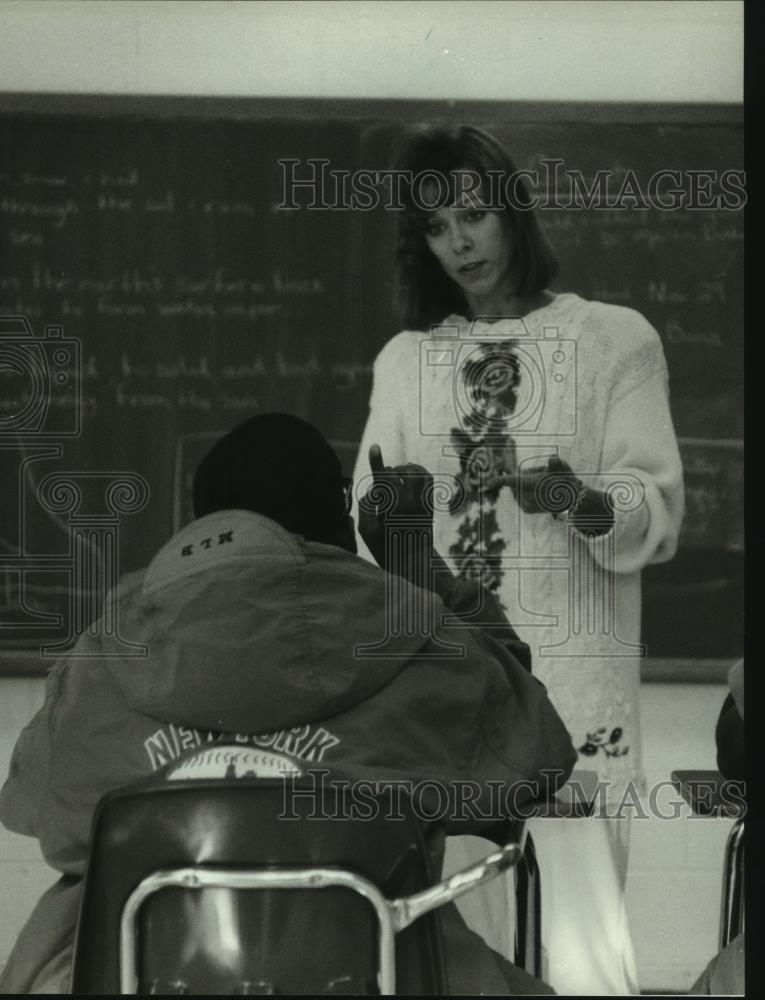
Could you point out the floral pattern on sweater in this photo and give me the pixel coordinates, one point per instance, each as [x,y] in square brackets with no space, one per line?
[485,449]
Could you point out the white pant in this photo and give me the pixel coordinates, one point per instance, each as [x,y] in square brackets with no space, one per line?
[587,947]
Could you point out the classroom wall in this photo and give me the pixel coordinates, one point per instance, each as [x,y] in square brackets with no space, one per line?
[537,51]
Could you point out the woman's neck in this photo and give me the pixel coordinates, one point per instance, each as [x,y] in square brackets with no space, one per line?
[502,305]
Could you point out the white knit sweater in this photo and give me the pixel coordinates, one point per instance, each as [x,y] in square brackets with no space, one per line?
[593,389]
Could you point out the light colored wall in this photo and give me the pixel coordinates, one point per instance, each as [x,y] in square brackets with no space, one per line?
[674,881]
[538,51]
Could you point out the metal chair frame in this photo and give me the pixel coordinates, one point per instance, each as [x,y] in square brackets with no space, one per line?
[702,791]
[528,911]
[392,915]
[732,910]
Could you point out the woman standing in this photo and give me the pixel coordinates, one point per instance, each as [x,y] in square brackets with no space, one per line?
[547,416]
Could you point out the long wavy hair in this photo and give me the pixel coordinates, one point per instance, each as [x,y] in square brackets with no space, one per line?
[424,293]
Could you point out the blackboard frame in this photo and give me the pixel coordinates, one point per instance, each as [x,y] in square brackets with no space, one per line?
[603,112]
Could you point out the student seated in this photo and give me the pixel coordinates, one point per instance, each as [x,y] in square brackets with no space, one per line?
[251,617]
[725,974]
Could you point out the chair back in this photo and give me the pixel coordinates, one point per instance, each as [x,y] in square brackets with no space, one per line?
[268,940]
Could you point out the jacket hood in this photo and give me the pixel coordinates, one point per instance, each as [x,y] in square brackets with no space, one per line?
[248,628]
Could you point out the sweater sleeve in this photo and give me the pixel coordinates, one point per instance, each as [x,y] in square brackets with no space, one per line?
[640,462]
[22,798]
[478,607]
[523,742]
[55,780]
[384,424]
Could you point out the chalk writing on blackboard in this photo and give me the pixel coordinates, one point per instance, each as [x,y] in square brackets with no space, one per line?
[713,472]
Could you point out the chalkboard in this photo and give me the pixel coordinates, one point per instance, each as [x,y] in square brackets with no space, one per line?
[155,294]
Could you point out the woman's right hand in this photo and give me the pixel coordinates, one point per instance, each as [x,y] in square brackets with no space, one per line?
[395,491]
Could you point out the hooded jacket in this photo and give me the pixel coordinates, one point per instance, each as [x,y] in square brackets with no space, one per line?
[242,631]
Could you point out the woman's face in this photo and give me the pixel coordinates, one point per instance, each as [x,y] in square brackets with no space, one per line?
[472,245]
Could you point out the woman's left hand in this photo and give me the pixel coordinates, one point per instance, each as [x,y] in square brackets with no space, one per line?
[546,489]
